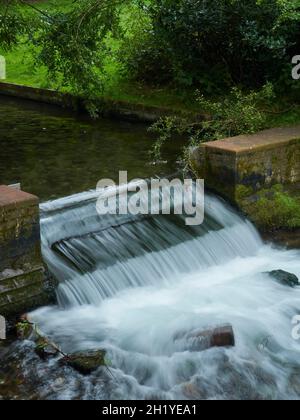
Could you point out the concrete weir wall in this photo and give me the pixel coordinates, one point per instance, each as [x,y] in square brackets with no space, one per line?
[22,274]
[107,107]
[241,167]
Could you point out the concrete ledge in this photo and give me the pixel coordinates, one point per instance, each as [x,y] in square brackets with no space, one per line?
[108,108]
[23,282]
[247,169]
[19,229]
[268,139]
[11,197]
[22,292]
[256,161]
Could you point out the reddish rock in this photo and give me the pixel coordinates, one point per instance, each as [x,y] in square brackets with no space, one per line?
[200,340]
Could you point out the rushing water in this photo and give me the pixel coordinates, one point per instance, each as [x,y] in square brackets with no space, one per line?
[138,287]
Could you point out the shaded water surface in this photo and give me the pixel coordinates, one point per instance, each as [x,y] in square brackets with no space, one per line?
[54,153]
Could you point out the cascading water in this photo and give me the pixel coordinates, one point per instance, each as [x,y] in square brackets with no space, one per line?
[132,285]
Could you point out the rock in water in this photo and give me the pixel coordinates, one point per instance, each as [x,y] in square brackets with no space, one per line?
[223,337]
[86,362]
[200,340]
[285,278]
[44,349]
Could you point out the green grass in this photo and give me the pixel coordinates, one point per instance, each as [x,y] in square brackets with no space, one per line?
[21,69]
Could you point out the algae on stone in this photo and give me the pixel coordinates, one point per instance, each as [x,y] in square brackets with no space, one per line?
[272,209]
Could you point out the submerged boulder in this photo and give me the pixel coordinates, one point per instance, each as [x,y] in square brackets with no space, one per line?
[44,348]
[86,362]
[200,340]
[222,337]
[285,278]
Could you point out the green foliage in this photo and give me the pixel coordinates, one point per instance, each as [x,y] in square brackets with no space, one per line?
[275,210]
[97,47]
[24,330]
[218,43]
[142,57]
[235,114]
[70,42]
[13,24]
[165,128]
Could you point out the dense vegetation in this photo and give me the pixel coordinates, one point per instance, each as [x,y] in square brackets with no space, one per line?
[219,43]
[173,50]
[209,44]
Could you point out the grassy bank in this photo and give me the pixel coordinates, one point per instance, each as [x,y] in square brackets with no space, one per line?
[22,69]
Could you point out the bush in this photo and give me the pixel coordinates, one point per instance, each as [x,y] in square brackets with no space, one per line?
[218,43]
[145,61]
[141,57]
[237,113]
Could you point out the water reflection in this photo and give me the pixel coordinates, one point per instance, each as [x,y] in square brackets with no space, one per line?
[54,153]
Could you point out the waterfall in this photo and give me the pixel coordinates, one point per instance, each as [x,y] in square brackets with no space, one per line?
[134,284]
[95,257]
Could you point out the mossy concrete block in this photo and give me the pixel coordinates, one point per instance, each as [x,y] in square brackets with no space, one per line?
[255,161]
[242,167]
[22,293]
[19,229]
[23,282]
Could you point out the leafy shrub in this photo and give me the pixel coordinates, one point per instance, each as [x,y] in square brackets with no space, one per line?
[146,61]
[69,42]
[219,43]
[143,59]
[12,25]
[235,114]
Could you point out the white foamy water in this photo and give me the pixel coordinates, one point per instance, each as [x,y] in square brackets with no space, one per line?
[133,286]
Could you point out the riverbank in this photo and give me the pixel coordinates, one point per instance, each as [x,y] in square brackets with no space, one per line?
[106,107]
[120,92]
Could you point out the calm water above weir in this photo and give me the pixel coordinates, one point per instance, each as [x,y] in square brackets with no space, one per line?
[143,288]
[54,153]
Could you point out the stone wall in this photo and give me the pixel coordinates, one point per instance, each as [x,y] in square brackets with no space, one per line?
[22,274]
[244,169]
[109,108]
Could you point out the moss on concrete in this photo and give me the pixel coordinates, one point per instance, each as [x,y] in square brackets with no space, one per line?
[258,173]
[242,192]
[271,209]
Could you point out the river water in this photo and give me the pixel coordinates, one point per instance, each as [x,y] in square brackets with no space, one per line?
[54,153]
[139,287]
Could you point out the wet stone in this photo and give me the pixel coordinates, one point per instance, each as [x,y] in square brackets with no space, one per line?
[285,278]
[200,340]
[85,362]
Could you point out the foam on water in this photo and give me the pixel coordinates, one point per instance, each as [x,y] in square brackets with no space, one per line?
[132,285]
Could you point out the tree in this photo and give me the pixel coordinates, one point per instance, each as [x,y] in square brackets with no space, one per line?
[69,43]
